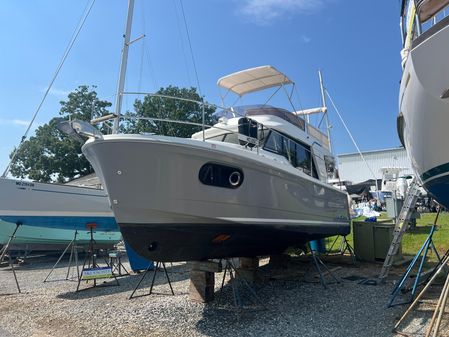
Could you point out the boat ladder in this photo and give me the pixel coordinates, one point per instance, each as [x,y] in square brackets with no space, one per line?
[400,227]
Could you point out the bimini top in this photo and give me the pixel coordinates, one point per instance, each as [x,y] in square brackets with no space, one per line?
[254,79]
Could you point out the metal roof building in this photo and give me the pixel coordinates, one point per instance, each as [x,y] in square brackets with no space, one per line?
[352,167]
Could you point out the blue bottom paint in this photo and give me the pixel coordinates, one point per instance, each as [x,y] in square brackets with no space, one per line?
[439,189]
[136,261]
[64,222]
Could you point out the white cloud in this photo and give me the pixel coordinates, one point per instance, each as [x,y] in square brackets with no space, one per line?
[264,12]
[20,122]
[56,91]
[17,122]
[305,39]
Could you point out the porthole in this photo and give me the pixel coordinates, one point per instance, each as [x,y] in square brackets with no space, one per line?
[221,175]
[234,178]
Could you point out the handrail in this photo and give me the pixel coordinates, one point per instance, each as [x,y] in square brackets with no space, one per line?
[176,121]
[229,131]
[202,125]
[178,98]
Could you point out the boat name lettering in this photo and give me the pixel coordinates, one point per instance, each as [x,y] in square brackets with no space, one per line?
[24,183]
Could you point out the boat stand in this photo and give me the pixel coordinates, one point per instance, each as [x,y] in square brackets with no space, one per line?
[115,261]
[5,250]
[156,268]
[235,279]
[317,263]
[401,284]
[440,305]
[344,247]
[73,257]
[91,269]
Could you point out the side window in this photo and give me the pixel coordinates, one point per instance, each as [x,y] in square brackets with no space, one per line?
[303,159]
[297,154]
[231,138]
[218,138]
[274,142]
[291,152]
[286,148]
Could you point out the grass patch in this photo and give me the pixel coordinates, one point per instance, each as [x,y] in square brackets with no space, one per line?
[413,239]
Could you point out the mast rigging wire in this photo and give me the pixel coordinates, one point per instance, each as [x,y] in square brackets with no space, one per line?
[181,36]
[350,136]
[191,50]
[61,63]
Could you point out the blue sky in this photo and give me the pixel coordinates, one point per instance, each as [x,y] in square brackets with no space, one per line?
[355,43]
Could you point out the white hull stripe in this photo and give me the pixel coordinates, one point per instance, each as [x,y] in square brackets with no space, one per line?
[71,193]
[55,213]
[435,177]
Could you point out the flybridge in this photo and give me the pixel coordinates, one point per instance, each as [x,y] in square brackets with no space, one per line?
[264,77]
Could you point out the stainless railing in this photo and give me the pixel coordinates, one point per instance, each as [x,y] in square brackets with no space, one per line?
[250,141]
[311,130]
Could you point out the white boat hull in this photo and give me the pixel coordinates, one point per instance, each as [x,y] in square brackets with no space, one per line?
[167,214]
[426,113]
[54,206]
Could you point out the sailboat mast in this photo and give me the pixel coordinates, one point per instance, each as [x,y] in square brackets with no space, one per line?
[123,64]
[326,116]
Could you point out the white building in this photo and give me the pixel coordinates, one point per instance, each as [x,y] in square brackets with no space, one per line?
[352,167]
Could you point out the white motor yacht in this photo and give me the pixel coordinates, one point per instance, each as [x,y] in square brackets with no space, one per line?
[253,184]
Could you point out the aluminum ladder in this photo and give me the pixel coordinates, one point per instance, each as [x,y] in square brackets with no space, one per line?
[401,226]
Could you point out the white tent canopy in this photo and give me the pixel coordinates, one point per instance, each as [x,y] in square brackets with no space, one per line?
[254,79]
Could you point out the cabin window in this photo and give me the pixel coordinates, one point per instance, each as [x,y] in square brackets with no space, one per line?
[303,158]
[274,143]
[231,138]
[227,138]
[298,155]
[218,138]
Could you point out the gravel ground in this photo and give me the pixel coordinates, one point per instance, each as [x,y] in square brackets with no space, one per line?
[294,304]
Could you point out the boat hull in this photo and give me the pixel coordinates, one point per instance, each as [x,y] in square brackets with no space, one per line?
[55,206]
[45,238]
[198,242]
[426,111]
[167,214]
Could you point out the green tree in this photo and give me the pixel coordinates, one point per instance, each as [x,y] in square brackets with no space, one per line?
[51,156]
[168,108]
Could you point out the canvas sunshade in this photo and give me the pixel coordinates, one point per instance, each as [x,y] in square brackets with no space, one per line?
[253,79]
